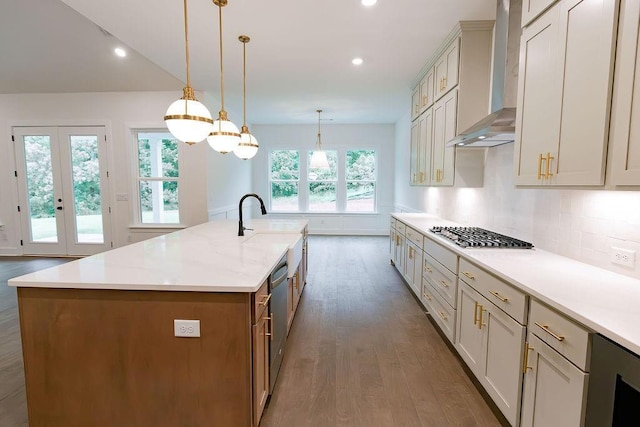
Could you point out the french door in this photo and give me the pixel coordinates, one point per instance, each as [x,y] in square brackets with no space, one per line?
[63,190]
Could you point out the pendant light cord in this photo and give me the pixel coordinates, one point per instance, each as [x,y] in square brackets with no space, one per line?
[221,56]
[244,82]
[319,142]
[186,41]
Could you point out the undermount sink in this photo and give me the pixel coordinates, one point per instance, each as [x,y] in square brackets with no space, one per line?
[294,250]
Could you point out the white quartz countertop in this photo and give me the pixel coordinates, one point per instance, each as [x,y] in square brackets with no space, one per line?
[604,301]
[209,257]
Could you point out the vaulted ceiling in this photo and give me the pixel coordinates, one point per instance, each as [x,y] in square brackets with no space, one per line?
[298,60]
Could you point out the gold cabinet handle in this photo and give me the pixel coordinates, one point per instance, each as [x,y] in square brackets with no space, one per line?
[270,319]
[526,358]
[444,83]
[442,282]
[497,295]
[410,249]
[540,166]
[427,269]
[427,296]
[440,313]
[466,273]
[547,330]
[424,100]
[421,177]
[268,296]
[480,324]
[475,312]
[548,174]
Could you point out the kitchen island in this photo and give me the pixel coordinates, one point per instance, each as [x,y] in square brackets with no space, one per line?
[98,336]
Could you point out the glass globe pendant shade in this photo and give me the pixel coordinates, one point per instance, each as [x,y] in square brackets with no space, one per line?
[248,146]
[187,119]
[224,136]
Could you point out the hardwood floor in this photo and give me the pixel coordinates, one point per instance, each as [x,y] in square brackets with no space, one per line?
[361,351]
[13,404]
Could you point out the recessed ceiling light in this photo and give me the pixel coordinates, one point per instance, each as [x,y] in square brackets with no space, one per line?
[120,52]
[357,61]
[481,137]
[369,2]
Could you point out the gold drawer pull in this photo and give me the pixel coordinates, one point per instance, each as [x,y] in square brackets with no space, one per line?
[427,296]
[469,275]
[268,297]
[427,269]
[480,324]
[548,174]
[442,282]
[547,330]
[500,297]
[475,312]
[540,167]
[270,319]
[526,358]
[442,316]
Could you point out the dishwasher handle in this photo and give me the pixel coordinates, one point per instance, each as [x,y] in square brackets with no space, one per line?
[279,274]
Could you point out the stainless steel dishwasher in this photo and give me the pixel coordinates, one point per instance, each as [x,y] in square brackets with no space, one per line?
[278,288]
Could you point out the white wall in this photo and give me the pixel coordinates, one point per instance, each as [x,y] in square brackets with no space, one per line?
[209,181]
[580,224]
[380,137]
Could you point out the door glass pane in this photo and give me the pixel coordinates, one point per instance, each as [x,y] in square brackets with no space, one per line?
[322,196]
[361,196]
[159,202]
[284,196]
[42,216]
[86,188]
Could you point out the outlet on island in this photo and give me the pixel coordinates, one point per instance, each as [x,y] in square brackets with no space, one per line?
[186,328]
[623,257]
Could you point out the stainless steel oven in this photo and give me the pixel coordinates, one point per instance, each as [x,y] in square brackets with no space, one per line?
[613,398]
[278,305]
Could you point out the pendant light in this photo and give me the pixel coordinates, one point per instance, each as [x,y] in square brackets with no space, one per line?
[225,136]
[248,146]
[187,119]
[319,157]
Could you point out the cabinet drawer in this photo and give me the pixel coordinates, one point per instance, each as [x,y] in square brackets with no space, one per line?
[414,236]
[441,312]
[260,301]
[509,299]
[400,227]
[392,223]
[441,254]
[565,336]
[444,281]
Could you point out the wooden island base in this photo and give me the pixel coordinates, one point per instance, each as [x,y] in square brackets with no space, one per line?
[110,358]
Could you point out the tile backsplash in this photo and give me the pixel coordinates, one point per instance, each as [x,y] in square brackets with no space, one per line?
[580,224]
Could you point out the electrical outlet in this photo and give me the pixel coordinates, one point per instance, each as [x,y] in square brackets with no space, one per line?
[186,328]
[623,257]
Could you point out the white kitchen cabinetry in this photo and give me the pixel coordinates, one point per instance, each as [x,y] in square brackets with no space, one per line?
[453,95]
[491,343]
[564,94]
[426,91]
[415,103]
[413,266]
[532,8]
[446,69]
[414,154]
[444,129]
[556,359]
[625,118]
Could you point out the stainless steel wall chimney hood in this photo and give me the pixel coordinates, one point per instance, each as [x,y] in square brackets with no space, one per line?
[499,127]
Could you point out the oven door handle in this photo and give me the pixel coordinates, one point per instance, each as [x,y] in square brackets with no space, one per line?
[279,274]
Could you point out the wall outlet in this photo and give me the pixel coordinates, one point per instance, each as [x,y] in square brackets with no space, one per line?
[623,257]
[186,328]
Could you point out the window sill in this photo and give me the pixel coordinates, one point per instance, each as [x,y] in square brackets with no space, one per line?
[152,227]
[323,213]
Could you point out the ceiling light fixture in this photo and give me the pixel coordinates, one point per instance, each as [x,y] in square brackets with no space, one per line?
[225,135]
[319,157]
[248,146]
[120,52]
[369,2]
[357,61]
[187,119]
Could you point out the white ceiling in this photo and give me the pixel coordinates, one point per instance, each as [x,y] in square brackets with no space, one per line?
[298,60]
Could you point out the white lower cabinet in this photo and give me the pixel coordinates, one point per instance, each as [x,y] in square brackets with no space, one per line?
[491,343]
[554,389]
[413,266]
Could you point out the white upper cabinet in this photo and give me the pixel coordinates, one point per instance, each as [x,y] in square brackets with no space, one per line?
[625,121]
[415,103]
[564,94]
[532,8]
[413,154]
[426,91]
[446,69]
[444,129]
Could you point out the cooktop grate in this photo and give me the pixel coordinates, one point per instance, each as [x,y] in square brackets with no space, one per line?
[475,237]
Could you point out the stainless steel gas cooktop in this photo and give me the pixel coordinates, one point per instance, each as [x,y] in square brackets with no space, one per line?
[475,237]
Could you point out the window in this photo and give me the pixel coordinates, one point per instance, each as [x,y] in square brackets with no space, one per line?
[157,177]
[284,176]
[360,169]
[323,184]
[349,185]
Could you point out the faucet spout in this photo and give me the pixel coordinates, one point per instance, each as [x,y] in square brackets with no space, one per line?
[263,210]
